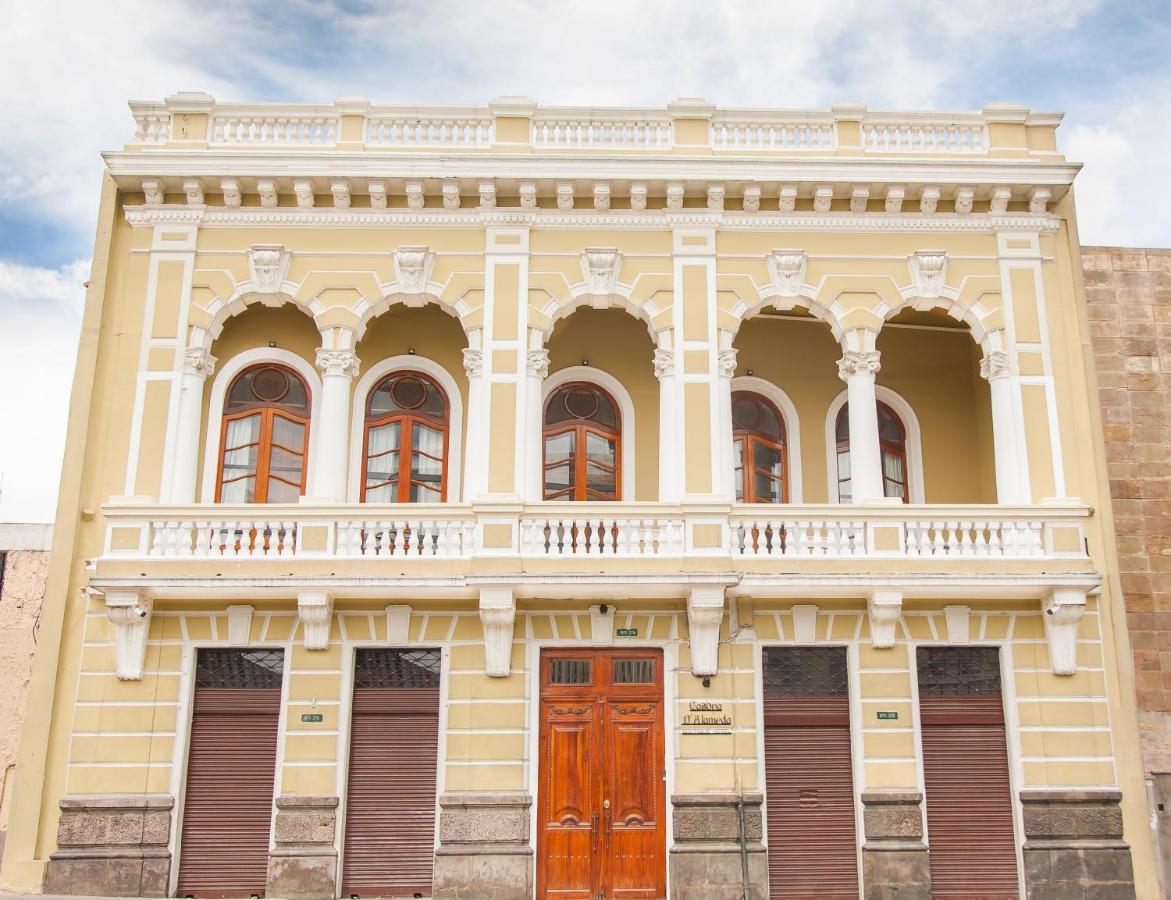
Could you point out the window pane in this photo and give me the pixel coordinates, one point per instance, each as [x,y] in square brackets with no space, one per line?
[285,464]
[383,439]
[240,461]
[600,449]
[892,466]
[558,478]
[842,430]
[422,493]
[384,493]
[242,491]
[600,479]
[287,433]
[428,440]
[890,429]
[767,490]
[242,431]
[280,492]
[767,458]
[560,446]
[740,485]
[383,468]
[844,464]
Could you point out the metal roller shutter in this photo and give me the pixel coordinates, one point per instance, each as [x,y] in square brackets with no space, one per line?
[227,809]
[390,798]
[812,843]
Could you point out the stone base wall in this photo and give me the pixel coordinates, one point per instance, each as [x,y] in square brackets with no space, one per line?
[112,846]
[1074,847]
[895,863]
[303,862]
[484,851]
[707,859]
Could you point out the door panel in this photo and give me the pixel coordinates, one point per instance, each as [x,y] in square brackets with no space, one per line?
[601,799]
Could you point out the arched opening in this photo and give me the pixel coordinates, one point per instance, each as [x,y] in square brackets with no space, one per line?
[760,449]
[582,438]
[892,444]
[404,446]
[264,439]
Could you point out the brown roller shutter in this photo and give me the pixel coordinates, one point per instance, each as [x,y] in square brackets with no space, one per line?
[809,785]
[231,765]
[390,798]
[965,772]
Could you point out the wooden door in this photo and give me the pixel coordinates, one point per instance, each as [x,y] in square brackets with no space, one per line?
[601,820]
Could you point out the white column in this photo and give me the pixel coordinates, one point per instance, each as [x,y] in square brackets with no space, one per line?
[536,370]
[338,369]
[476,455]
[1010,459]
[857,368]
[198,365]
[723,479]
[670,432]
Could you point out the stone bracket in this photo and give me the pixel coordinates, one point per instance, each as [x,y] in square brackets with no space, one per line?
[805,623]
[315,610]
[602,625]
[884,608]
[705,613]
[398,624]
[129,612]
[497,614]
[1063,610]
[239,625]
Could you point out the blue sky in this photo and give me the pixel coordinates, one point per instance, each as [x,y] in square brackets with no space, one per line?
[68,68]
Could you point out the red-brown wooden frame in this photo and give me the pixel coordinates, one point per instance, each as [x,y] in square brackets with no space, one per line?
[581,427]
[750,437]
[406,436]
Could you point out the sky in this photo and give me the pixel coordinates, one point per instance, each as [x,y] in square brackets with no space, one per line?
[68,67]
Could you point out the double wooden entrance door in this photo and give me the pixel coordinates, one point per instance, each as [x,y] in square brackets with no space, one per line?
[601,830]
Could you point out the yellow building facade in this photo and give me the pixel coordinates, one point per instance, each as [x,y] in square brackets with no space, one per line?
[521,501]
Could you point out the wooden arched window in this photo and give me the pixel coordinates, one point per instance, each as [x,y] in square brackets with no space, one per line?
[761,456]
[405,444]
[264,437]
[892,442]
[583,444]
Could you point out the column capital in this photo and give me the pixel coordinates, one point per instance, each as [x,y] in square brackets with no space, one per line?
[664,361]
[198,361]
[859,362]
[995,364]
[728,362]
[536,363]
[473,361]
[337,362]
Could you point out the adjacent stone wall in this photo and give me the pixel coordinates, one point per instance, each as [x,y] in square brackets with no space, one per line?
[1129,306]
[1074,847]
[112,847]
[895,865]
[706,859]
[303,861]
[484,851]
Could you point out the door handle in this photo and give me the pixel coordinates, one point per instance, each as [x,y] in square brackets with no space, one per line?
[594,833]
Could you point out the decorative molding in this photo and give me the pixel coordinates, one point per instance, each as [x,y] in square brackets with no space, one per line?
[341,194]
[959,624]
[415,199]
[884,609]
[965,198]
[528,195]
[893,202]
[398,624]
[752,199]
[715,196]
[995,364]
[602,625]
[823,198]
[675,196]
[129,612]
[193,188]
[266,188]
[638,197]
[537,363]
[315,611]
[787,199]
[451,198]
[497,614]
[240,625]
[929,201]
[600,266]
[1063,610]
[412,268]
[705,613]
[337,362]
[565,196]
[304,193]
[855,362]
[601,197]
[1039,201]
[268,264]
[788,269]
[153,191]
[198,361]
[727,361]
[998,205]
[377,191]
[230,188]
[664,362]
[487,195]
[473,362]
[928,272]
[805,623]
[859,197]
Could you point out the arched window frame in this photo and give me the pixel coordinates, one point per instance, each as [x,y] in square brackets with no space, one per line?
[223,379]
[406,437]
[914,450]
[455,414]
[788,412]
[625,405]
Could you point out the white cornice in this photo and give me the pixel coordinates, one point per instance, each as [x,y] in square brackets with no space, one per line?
[234,217]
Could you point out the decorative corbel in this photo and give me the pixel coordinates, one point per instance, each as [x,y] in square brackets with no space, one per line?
[497,614]
[315,610]
[823,198]
[268,263]
[266,188]
[965,197]
[859,197]
[959,624]
[788,270]
[787,198]
[240,625]
[398,623]
[377,191]
[998,205]
[675,196]
[415,198]
[341,194]
[193,188]
[564,197]
[929,201]
[1063,610]
[884,608]
[129,612]
[928,271]
[528,195]
[893,202]
[752,198]
[715,197]
[600,266]
[230,188]
[601,196]
[304,192]
[451,195]
[805,623]
[487,195]
[705,612]
[602,625]
[412,268]
[1039,201]
[638,197]
[153,191]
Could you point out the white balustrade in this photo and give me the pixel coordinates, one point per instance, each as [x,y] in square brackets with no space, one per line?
[1006,539]
[775,537]
[438,131]
[633,133]
[152,127]
[599,535]
[274,129]
[769,134]
[924,137]
[430,538]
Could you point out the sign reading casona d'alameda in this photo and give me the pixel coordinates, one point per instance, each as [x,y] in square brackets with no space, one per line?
[704,717]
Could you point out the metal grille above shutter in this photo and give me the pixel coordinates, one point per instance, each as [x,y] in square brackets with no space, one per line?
[812,846]
[965,770]
[231,767]
[390,799]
